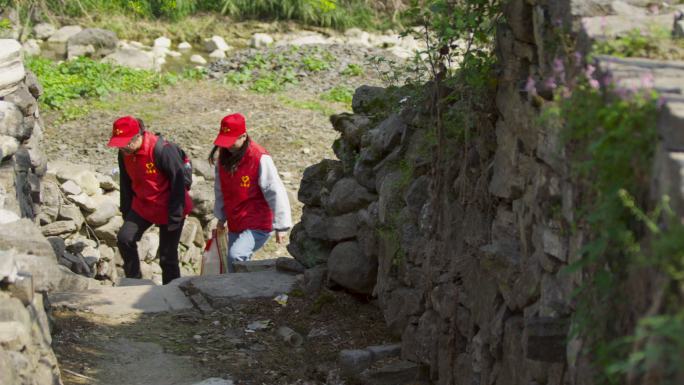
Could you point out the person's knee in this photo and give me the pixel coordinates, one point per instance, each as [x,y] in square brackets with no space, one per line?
[240,252]
[125,239]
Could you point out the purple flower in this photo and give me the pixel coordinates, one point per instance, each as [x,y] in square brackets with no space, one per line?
[558,66]
[660,102]
[531,86]
[593,83]
[550,83]
[647,80]
[589,71]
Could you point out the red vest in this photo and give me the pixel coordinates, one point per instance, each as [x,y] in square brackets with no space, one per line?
[150,186]
[243,202]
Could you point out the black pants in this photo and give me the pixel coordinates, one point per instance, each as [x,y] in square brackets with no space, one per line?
[130,233]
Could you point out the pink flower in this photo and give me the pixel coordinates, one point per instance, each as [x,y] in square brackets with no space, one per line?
[593,83]
[531,87]
[660,102]
[550,84]
[589,71]
[647,80]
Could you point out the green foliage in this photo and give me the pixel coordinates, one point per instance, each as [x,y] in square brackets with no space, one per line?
[458,35]
[273,71]
[340,94]
[66,82]
[656,43]
[352,70]
[326,13]
[311,105]
[610,138]
[5,24]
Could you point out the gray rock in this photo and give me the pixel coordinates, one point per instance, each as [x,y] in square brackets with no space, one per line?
[388,134]
[12,121]
[202,196]
[34,86]
[310,252]
[83,201]
[394,373]
[546,339]
[313,181]
[190,229]
[314,279]
[348,267]
[11,67]
[63,34]
[368,98]
[342,227]
[353,362]
[289,265]
[260,40]
[43,31]
[71,188]
[25,237]
[381,352]
[71,213]
[59,228]
[315,221]
[76,50]
[58,245]
[352,127]
[48,276]
[102,214]
[417,195]
[103,41]
[8,146]
[132,58]
[348,195]
[202,168]
[215,43]
[31,47]
[26,102]
[108,232]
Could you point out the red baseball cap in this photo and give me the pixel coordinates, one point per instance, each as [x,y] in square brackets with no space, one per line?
[123,130]
[232,126]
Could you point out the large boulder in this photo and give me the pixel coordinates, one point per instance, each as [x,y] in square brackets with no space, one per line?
[25,237]
[351,269]
[11,121]
[348,195]
[309,252]
[103,41]
[63,34]
[314,179]
[11,66]
[43,31]
[133,58]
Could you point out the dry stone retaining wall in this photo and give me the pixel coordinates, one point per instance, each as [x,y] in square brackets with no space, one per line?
[469,247]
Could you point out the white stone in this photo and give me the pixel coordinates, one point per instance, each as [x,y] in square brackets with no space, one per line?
[8,268]
[71,188]
[43,31]
[215,43]
[11,120]
[217,54]
[308,39]
[163,42]
[63,34]
[198,59]
[31,47]
[260,40]
[174,54]
[8,146]
[137,44]
[76,50]
[132,57]
[7,216]
[160,51]
[184,46]
[11,66]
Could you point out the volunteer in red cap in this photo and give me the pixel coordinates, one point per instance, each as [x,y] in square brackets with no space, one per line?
[152,193]
[250,196]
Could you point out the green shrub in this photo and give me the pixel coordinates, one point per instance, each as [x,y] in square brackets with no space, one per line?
[352,70]
[339,94]
[85,78]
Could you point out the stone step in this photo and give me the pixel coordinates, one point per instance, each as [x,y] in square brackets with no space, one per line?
[115,301]
[221,290]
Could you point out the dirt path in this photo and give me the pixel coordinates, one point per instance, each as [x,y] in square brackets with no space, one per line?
[186,347]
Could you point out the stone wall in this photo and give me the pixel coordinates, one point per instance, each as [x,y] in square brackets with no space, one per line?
[464,245]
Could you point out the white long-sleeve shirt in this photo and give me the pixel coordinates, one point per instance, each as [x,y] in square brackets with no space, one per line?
[272,188]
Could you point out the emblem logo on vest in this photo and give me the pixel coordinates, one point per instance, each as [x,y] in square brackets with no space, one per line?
[245,181]
[118,131]
[149,168]
[225,129]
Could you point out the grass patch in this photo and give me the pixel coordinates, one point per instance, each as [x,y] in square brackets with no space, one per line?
[311,105]
[68,82]
[339,94]
[656,43]
[352,70]
[339,14]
